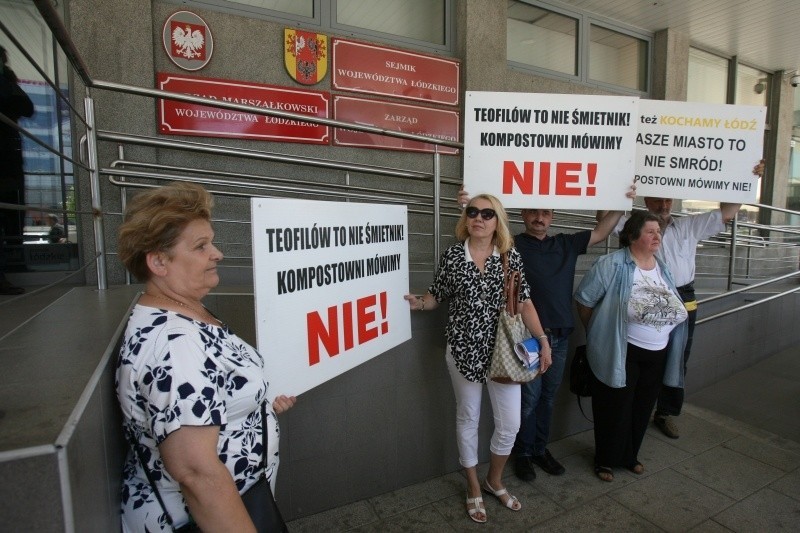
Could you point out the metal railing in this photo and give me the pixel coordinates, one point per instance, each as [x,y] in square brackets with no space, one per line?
[120,171]
[751,304]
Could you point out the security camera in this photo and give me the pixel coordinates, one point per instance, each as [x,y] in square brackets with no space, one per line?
[795,80]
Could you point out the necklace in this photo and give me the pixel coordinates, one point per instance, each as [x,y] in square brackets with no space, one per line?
[652,278]
[648,263]
[203,312]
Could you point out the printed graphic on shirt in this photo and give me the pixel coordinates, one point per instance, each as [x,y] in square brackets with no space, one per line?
[653,304]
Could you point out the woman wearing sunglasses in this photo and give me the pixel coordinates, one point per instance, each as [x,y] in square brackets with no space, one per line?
[470,276]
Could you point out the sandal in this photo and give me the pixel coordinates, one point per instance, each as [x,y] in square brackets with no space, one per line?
[511,501]
[474,507]
[604,473]
[637,469]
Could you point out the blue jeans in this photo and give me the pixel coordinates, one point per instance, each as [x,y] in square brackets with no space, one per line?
[538,398]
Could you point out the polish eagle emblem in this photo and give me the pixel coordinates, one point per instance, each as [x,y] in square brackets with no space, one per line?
[305,55]
[188,43]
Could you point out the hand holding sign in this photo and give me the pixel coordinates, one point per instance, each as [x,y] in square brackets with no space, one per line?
[329,285]
[691,150]
[550,150]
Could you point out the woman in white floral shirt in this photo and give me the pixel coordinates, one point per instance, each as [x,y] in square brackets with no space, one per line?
[191,390]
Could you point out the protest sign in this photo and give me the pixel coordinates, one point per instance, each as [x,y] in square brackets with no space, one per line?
[550,150]
[329,284]
[691,150]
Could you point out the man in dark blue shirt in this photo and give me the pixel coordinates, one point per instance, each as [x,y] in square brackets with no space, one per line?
[550,271]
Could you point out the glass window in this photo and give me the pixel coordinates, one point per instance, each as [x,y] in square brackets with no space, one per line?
[542,38]
[708,78]
[793,194]
[47,180]
[617,58]
[416,22]
[304,8]
[420,20]
[565,42]
[751,86]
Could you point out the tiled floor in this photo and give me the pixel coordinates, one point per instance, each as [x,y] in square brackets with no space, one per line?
[736,467]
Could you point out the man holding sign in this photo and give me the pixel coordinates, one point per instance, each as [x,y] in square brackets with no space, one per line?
[700,151]
[678,250]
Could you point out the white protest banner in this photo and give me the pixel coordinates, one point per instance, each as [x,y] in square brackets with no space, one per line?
[550,150]
[329,284]
[697,151]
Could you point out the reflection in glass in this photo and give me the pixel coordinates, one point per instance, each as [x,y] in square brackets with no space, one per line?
[751,86]
[542,38]
[708,78]
[48,179]
[793,195]
[617,58]
[303,8]
[421,20]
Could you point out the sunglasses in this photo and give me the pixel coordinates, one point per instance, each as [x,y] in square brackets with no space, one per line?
[486,214]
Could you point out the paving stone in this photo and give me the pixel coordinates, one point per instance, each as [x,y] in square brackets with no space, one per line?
[728,472]
[672,500]
[697,435]
[339,519]
[656,455]
[579,485]
[766,510]
[765,452]
[788,485]
[602,514]
[420,520]
[414,496]
[709,526]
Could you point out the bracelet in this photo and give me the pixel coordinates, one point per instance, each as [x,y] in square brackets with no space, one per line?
[542,336]
[422,301]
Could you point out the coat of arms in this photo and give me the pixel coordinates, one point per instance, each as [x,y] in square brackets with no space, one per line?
[187,40]
[306,56]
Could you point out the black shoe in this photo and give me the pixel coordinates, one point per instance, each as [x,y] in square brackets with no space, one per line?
[7,289]
[523,468]
[548,463]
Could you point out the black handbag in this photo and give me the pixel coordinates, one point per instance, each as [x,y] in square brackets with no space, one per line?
[258,499]
[580,377]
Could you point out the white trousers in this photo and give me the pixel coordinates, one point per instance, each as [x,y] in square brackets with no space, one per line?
[506,405]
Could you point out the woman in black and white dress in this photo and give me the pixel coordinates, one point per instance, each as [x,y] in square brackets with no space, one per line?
[470,276]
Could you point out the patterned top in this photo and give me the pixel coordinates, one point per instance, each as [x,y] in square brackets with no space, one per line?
[653,310]
[175,371]
[475,302]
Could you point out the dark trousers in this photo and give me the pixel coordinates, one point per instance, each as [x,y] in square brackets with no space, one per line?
[621,415]
[10,223]
[670,401]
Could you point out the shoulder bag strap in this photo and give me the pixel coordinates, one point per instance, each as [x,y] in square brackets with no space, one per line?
[136,450]
[510,287]
[264,437]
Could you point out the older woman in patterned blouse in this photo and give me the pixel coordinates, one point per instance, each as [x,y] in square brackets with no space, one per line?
[470,275]
[190,389]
